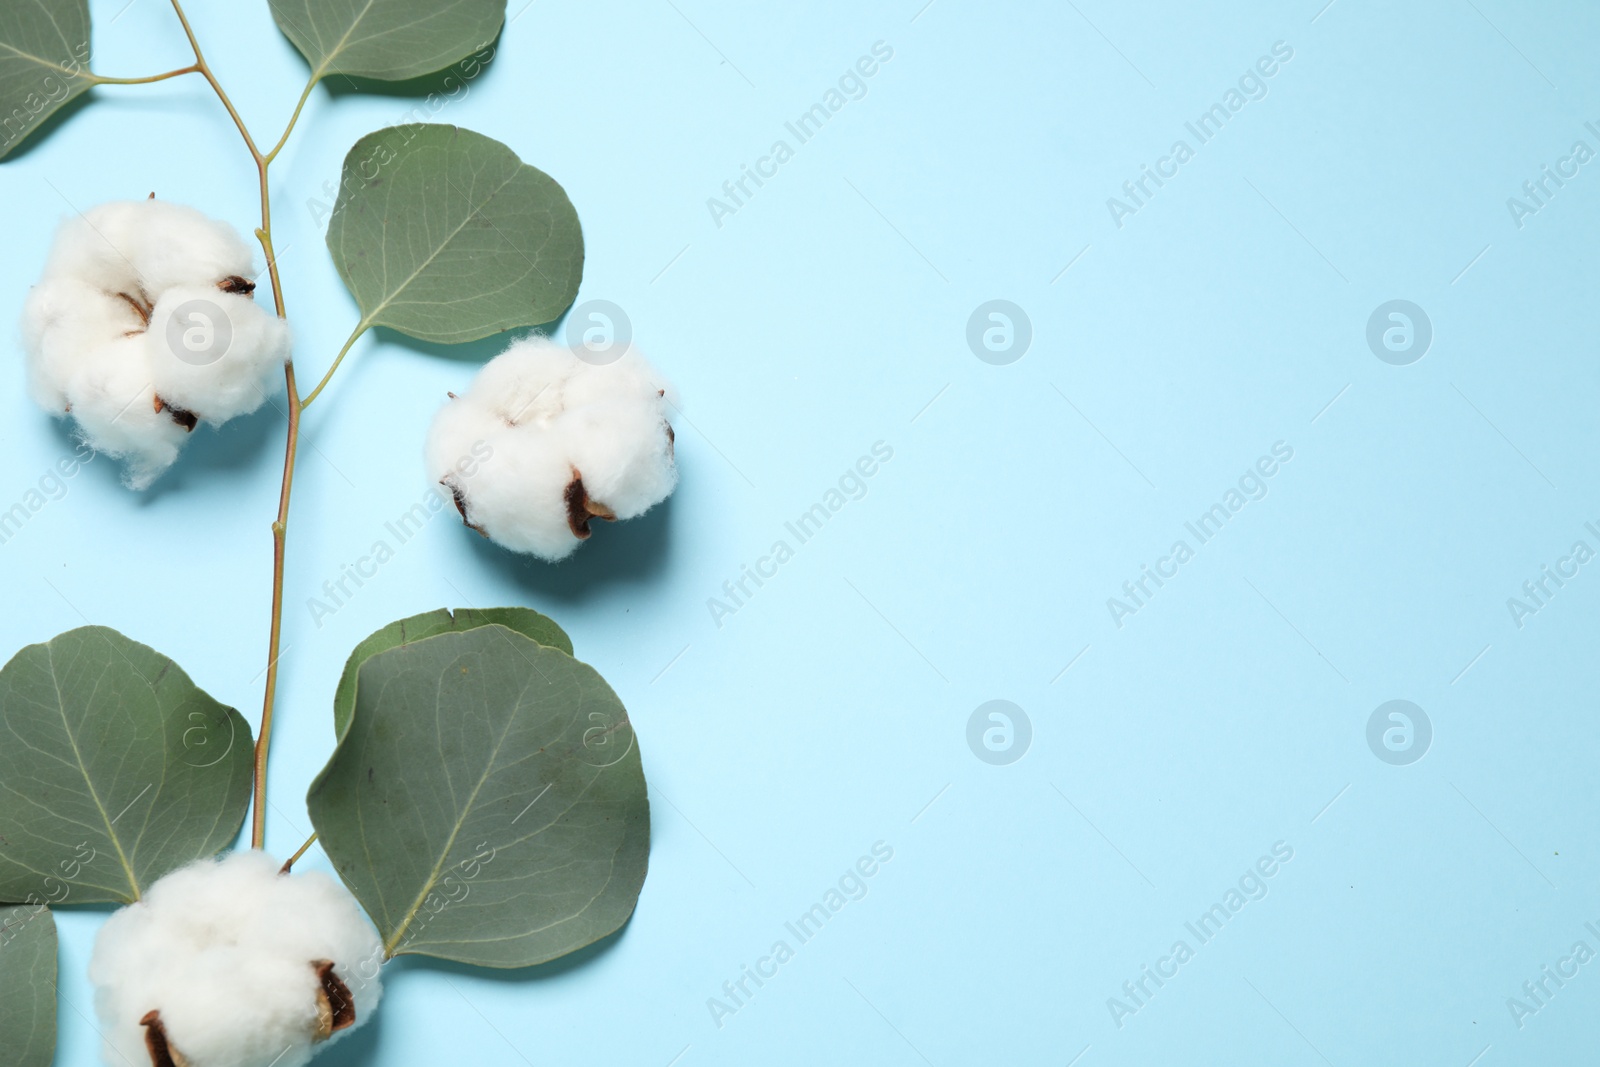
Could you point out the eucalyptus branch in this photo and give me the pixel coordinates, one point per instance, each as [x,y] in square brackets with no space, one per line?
[258,819]
[514,259]
[355,335]
[98,79]
[305,94]
[289,863]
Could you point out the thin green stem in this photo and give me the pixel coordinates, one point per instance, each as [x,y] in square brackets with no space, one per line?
[193,68]
[203,68]
[258,820]
[305,94]
[289,863]
[355,335]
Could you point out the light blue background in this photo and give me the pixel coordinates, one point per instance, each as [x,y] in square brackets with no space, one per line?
[830,711]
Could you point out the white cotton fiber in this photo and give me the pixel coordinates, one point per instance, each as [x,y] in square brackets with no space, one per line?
[210,352]
[544,441]
[225,951]
[62,319]
[148,244]
[177,281]
[116,409]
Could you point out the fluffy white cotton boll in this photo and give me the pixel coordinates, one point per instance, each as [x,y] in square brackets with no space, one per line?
[115,407]
[99,247]
[61,319]
[146,246]
[517,497]
[571,441]
[624,449]
[463,433]
[525,383]
[216,354]
[181,246]
[628,375]
[179,283]
[242,966]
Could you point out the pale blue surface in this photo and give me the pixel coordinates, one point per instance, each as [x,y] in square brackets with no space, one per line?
[829,711]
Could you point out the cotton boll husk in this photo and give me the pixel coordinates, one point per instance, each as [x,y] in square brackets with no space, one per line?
[224,951]
[623,451]
[219,358]
[114,404]
[61,319]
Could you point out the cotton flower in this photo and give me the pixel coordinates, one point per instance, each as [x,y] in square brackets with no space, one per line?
[227,963]
[143,326]
[544,442]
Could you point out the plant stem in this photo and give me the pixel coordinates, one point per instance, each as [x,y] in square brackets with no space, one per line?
[311,83]
[355,335]
[100,80]
[258,817]
[289,863]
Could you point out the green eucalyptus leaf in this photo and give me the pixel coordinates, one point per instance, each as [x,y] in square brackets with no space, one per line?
[115,768]
[444,234]
[487,804]
[44,62]
[387,39]
[28,985]
[404,631]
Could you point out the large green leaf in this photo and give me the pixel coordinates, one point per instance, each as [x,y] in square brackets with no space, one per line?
[28,985]
[444,234]
[404,631]
[44,62]
[387,39]
[115,768]
[487,803]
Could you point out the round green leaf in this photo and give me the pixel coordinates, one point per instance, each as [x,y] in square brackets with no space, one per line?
[487,804]
[387,39]
[444,234]
[404,631]
[44,62]
[115,768]
[28,985]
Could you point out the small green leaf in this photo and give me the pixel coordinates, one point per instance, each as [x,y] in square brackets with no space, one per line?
[28,985]
[387,39]
[44,62]
[444,234]
[404,631]
[115,768]
[487,804]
